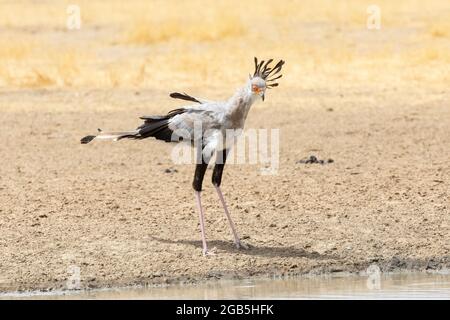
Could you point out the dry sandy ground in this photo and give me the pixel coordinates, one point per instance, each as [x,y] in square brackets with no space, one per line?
[112,210]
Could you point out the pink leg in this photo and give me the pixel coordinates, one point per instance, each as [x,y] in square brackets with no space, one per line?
[233,229]
[202,221]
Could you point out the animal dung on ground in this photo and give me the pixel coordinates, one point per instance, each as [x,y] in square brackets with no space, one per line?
[313,159]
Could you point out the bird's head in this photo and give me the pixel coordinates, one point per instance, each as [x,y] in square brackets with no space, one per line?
[264,76]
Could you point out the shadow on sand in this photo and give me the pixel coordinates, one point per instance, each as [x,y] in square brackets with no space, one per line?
[259,250]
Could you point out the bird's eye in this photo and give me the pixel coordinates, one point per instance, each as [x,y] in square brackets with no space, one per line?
[255,88]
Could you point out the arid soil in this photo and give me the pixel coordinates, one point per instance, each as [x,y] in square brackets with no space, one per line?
[114,211]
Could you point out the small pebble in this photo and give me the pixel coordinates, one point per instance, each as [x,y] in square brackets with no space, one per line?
[170,170]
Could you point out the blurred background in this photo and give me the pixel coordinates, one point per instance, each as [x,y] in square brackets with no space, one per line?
[140,43]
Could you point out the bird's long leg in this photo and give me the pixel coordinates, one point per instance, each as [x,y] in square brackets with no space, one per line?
[217,179]
[202,221]
[200,170]
[237,241]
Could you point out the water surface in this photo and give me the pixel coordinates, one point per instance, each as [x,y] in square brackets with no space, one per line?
[389,286]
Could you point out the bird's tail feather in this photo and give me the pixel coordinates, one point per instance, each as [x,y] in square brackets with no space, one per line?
[153,126]
[115,136]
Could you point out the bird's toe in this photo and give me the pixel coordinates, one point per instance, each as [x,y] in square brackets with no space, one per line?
[241,245]
[209,252]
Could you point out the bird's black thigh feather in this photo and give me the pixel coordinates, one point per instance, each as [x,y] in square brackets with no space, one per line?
[200,170]
[218,168]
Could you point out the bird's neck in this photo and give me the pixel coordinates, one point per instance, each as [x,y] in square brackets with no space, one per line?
[239,106]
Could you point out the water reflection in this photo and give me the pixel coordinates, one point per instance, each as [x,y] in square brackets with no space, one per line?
[395,286]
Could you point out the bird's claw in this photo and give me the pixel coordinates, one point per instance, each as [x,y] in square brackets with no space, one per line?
[207,252]
[241,245]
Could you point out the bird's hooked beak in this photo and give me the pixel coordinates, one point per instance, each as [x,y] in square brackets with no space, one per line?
[263,96]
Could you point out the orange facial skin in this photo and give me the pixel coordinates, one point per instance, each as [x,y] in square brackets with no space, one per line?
[255,89]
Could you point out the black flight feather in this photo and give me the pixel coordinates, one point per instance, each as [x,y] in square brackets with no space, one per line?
[183,96]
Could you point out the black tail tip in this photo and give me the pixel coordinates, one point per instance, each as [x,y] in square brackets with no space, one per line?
[87,139]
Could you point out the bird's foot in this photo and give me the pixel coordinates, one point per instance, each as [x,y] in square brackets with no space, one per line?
[207,252]
[241,245]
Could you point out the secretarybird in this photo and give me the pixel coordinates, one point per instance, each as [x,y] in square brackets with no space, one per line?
[206,125]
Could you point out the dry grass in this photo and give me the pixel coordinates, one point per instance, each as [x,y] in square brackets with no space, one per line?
[440,29]
[150,31]
[141,43]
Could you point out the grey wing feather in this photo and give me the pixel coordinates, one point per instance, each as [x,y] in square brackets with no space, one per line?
[209,115]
